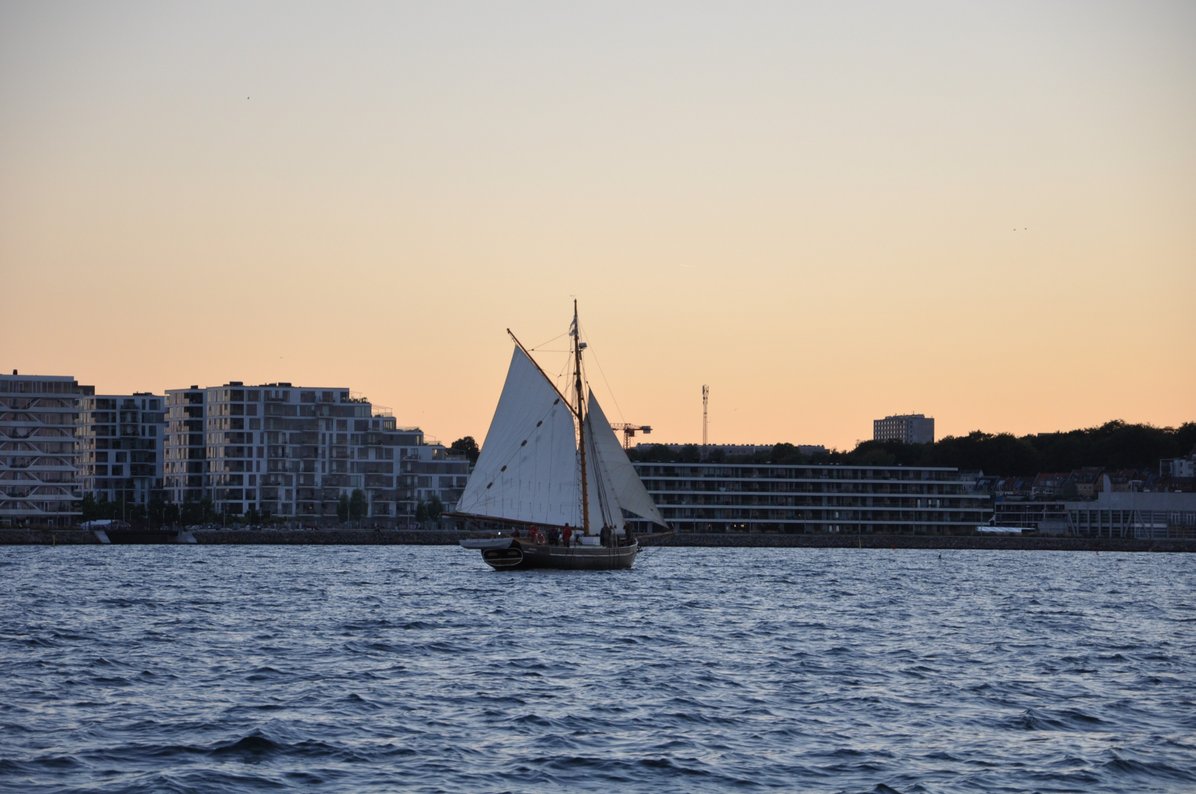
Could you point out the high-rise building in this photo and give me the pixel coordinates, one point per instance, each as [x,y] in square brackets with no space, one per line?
[120,447]
[38,476]
[906,428]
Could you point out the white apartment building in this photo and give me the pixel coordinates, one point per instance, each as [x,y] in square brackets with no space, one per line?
[906,428]
[290,452]
[183,453]
[432,472]
[119,446]
[38,477]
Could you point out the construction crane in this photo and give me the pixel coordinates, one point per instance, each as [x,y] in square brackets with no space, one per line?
[630,430]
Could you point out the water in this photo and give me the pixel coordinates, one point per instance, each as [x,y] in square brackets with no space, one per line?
[247,668]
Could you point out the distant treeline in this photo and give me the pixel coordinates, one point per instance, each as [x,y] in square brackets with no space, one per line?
[1115,445]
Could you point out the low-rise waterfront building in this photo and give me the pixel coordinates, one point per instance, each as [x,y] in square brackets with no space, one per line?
[749,497]
[1048,517]
[725,452]
[38,476]
[1132,514]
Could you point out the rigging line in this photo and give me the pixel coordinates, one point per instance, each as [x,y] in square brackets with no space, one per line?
[562,375]
[549,342]
[606,384]
[561,381]
[540,348]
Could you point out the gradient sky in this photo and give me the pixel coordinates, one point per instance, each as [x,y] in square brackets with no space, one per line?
[827,211]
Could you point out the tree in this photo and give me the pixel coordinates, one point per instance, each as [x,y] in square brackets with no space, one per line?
[435,507]
[191,512]
[466,446]
[873,453]
[157,509]
[342,508]
[359,506]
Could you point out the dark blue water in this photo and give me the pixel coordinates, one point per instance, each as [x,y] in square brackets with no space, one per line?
[247,668]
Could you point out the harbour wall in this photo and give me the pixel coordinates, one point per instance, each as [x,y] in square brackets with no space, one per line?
[390,537]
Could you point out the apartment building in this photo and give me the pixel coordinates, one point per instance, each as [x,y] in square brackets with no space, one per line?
[432,473]
[119,447]
[291,452]
[750,497]
[183,451]
[38,477]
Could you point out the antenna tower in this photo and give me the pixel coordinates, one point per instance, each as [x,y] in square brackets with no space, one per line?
[705,401]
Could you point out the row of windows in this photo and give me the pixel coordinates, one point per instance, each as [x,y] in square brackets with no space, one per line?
[39,386]
[747,471]
[36,419]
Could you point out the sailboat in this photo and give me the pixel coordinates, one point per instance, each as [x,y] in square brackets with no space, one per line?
[553,476]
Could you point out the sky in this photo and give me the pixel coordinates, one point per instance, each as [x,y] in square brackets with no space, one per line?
[827,212]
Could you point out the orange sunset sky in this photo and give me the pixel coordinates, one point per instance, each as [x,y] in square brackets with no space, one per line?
[827,211]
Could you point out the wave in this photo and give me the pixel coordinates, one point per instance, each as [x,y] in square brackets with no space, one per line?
[765,670]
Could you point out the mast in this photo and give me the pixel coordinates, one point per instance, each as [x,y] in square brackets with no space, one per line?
[581,423]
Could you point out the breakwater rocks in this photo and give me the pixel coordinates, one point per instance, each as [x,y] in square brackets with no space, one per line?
[393,537]
[47,537]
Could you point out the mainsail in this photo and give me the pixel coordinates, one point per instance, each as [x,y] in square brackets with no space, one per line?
[527,470]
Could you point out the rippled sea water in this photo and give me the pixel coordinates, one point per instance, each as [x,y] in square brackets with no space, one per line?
[192,668]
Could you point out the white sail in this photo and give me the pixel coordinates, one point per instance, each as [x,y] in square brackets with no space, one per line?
[603,497]
[629,492]
[527,470]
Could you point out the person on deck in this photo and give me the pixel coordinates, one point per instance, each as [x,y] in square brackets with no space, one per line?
[567,534]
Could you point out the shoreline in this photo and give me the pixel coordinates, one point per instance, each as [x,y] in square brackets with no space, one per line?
[390,537]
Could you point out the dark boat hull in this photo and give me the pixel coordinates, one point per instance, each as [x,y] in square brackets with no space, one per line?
[519,556]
